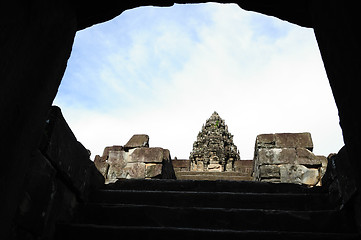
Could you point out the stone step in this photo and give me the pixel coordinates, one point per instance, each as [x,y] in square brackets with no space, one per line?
[96,232]
[211,173]
[187,209]
[230,176]
[284,201]
[211,186]
[215,218]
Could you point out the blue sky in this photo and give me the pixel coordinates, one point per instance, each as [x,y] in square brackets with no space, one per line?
[163,71]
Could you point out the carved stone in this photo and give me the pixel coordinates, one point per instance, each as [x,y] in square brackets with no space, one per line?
[214,150]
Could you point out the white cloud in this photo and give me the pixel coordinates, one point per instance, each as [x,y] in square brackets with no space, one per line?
[166,78]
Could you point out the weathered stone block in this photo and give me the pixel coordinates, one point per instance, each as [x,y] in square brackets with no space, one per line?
[153,170]
[340,177]
[181,165]
[306,157]
[118,157]
[294,140]
[269,171]
[324,163]
[101,165]
[117,162]
[146,155]
[140,163]
[65,203]
[111,148]
[137,141]
[323,160]
[167,166]
[276,156]
[285,140]
[130,170]
[292,153]
[243,166]
[38,197]
[69,156]
[291,173]
[265,141]
[311,177]
[134,170]
[114,171]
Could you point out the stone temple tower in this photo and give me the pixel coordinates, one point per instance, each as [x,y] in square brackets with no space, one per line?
[214,150]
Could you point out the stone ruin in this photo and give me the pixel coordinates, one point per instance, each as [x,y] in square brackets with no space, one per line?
[287,158]
[278,158]
[135,160]
[214,150]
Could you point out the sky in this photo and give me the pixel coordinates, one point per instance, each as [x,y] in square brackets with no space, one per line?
[164,71]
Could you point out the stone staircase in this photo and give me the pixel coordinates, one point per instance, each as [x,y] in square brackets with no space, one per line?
[188,209]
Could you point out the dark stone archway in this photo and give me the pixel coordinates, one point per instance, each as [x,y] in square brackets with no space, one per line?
[36,41]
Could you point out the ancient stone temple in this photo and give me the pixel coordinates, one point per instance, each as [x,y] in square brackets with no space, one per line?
[214,150]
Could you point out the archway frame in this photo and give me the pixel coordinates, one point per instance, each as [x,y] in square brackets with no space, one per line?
[37,40]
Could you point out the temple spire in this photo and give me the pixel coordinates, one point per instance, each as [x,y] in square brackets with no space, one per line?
[214,149]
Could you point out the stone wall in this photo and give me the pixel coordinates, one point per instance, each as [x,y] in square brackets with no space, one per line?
[244,167]
[339,179]
[135,161]
[181,165]
[288,158]
[59,177]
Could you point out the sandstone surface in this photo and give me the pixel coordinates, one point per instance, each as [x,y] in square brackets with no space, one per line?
[287,158]
[137,141]
[136,160]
